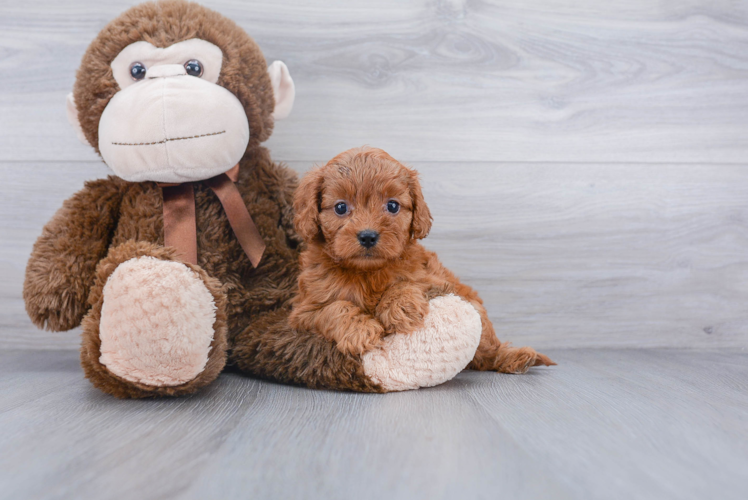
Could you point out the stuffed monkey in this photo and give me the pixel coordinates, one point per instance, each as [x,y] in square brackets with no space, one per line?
[186,258]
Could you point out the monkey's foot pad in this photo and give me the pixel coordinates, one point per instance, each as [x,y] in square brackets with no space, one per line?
[156,322]
[429,356]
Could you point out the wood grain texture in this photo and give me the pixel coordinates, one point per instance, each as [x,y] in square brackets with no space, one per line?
[446,80]
[564,255]
[585,161]
[645,424]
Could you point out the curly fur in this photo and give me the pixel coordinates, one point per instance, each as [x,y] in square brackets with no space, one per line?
[353,295]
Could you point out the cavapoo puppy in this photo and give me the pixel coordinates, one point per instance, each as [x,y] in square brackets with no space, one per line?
[363,273]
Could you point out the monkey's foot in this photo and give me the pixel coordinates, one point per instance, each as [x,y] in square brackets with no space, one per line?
[156,323]
[429,356]
[156,329]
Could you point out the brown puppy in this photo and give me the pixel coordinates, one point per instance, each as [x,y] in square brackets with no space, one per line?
[364,275]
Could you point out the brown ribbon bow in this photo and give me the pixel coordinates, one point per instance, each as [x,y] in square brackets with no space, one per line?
[180,230]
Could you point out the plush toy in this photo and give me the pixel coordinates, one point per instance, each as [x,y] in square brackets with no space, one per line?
[187,257]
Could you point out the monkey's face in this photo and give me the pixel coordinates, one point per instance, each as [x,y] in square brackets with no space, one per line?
[174,92]
[171,122]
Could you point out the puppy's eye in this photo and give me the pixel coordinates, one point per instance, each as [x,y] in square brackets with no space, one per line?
[393,207]
[193,68]
[137,71]
[341,208]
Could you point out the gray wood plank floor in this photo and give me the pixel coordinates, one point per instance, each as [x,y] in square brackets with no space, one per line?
[659,424]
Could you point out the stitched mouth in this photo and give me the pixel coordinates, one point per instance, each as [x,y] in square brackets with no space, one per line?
[164,141]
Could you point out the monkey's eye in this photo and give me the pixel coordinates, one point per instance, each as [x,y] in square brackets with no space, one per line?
[137,71]
[193,68]
[393,207]
[341,208]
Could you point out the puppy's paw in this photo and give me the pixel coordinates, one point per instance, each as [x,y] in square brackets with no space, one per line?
[404,312]
[440,290]
[364,336]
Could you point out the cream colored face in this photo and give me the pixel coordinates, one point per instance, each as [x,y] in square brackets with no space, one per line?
[209,55]
[169,126]
[172,123]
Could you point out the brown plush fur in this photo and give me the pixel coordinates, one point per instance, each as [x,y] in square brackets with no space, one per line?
[111,220]
[271,349]
[354,295]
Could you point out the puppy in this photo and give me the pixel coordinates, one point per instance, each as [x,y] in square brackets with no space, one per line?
[363,273]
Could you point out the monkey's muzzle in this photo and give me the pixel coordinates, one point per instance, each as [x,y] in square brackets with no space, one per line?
[172,127]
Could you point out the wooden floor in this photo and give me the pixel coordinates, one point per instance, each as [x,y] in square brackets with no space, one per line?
[659,424]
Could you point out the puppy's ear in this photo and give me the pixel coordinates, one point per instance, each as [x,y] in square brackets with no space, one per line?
[306,203]
[421,223]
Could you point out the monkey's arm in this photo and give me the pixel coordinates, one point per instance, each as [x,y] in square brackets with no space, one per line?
[61,269]
[341,321]
[288,185]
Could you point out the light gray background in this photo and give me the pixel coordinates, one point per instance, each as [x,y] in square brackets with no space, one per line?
[586,164]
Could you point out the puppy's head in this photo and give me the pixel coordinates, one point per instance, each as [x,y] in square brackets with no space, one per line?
[363,208]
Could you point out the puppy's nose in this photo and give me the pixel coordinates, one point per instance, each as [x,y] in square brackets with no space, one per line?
[368,238]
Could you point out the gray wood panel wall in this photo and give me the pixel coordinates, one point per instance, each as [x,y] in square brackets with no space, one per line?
[586,163]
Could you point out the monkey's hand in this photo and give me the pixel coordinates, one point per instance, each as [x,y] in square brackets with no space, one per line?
[61,268]
[402,308]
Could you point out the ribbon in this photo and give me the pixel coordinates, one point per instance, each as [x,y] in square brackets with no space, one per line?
[179,216]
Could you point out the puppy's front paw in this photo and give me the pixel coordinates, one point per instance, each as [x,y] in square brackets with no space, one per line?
[364,336]
[440,290]
[402,313]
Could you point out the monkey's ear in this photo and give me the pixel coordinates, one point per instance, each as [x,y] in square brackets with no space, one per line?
[73,119]
[306,204]
[421,223]
[283,89]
